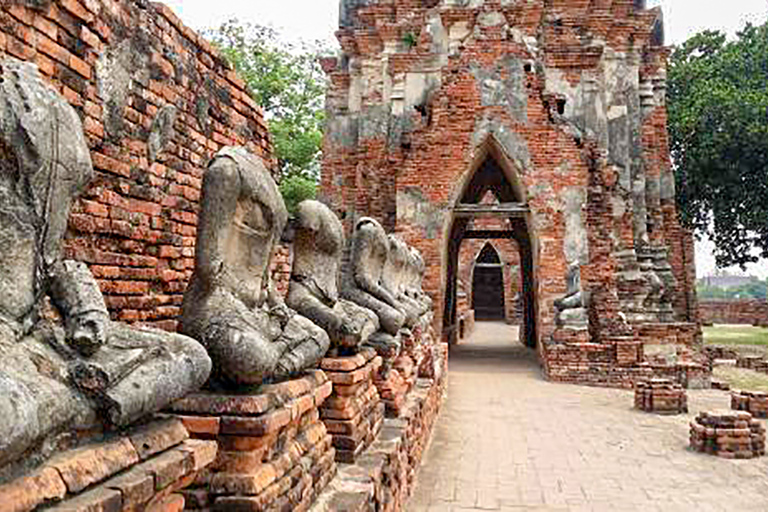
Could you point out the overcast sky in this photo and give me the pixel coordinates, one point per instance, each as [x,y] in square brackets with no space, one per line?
[318,19]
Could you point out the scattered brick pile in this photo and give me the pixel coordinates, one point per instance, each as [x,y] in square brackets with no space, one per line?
[142,469]
[382,478]
[274,452]
[353,414]
[728,434]
[661,396]
[753,402]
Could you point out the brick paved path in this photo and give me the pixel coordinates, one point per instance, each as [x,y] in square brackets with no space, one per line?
[508,440]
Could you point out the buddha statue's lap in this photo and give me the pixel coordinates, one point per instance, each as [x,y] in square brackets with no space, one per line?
[65,365]
[230,305]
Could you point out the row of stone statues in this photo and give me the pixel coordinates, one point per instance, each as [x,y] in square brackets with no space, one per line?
[67,369]
[232,308]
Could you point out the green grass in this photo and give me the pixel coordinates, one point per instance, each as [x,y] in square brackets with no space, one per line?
[741,378]
[735,335]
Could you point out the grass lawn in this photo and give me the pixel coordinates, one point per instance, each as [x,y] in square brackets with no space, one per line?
[741,378]
[735,335]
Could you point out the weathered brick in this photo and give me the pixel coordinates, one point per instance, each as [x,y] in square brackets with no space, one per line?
[86,466]
[26,493]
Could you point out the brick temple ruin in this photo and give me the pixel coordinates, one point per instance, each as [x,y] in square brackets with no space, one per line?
[557,108]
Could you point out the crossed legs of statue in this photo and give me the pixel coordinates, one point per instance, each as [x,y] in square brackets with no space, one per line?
[246,355]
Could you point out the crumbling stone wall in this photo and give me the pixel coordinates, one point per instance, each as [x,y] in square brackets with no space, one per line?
[739,311]
[566,101]
[157,101]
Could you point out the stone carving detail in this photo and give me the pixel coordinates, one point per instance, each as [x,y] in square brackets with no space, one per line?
[161,132]
[318,244]
[66,366]
[230,304]
[572,308]
[361,281]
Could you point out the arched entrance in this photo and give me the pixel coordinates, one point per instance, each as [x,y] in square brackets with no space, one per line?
[488,285]
[493,172]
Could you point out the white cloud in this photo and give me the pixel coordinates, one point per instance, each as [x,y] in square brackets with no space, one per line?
[318,19]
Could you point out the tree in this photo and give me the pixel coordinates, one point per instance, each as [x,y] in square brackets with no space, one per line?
[718,126]
[287,81]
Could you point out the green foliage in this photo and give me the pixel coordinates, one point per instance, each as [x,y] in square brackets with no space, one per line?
[296,189]
[409,39]
[718,125]
[753,290]
[288,83]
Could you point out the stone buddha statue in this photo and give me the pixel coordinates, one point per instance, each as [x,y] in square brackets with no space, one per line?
[394,277]
[361,282]
[415,277]
[318,244]
[66,367]
[230,304]
[572,308]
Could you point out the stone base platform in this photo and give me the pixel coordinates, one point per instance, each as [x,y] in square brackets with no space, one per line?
[383,477]
[661,396]
[274,451]
[728,434]
[354,413]
[142,469]
[755,403]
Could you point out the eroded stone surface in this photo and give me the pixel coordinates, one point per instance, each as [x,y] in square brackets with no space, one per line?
[67,366]
[318,244]
[230,305]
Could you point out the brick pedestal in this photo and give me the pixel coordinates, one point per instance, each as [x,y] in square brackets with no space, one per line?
[143,469]
[353,414]
[754,403]
[382,478]
[660,396]
[728,434]
[274,452]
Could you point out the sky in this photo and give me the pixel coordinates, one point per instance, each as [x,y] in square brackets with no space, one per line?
[318,19]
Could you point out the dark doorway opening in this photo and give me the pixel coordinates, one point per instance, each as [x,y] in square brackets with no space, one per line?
[488,285]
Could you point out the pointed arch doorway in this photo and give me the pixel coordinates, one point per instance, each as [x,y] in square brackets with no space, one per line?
[492,171]
[488,285]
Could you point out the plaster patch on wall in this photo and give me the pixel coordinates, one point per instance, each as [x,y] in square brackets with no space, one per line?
[504,86]
[413,208]
[116,71]
[513,145]
[575,244]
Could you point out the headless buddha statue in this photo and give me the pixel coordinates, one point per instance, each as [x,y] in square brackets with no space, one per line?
[65,366]
[318,244]
[230,304]
[361,283]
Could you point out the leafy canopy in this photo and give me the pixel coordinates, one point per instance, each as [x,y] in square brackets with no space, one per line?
[287,81]
[718,125]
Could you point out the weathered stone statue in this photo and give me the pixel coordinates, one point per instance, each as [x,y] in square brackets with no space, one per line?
[230,305]
[394,277]
[414,277]
[65,366]
[572,308]
[361,281]
[318,244]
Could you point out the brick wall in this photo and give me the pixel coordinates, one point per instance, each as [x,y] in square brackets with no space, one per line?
[565,101]
[156,101]
[741,311]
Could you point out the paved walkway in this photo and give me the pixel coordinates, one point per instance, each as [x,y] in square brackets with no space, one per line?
[508,440]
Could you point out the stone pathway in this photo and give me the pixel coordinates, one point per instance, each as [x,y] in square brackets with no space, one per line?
[508,440]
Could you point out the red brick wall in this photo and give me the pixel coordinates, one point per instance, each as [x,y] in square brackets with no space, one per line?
[740,311]
[135,224]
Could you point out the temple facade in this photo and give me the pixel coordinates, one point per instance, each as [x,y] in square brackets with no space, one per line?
[539,126]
